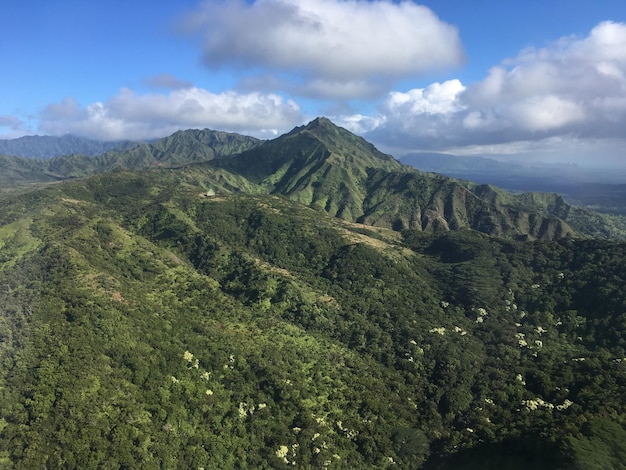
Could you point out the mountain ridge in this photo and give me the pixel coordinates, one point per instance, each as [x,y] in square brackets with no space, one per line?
[179,149]
[325,166]
[328,168]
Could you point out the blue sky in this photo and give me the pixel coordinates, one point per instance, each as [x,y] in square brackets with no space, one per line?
[526,80]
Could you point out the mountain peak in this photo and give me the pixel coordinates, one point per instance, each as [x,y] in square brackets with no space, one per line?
[323,127]
[320,122]
[319,127]
[341,143]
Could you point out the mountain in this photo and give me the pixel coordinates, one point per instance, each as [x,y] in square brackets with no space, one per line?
[320,165]
[16,171]
[45,147]
[328,168]
[182,147]
[147,322]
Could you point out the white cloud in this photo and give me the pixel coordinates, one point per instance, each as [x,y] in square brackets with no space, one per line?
[328,41]
[437,98]
[358,123]
[10,121]
[131,116]
[422,116]
[543,113]
[572,90]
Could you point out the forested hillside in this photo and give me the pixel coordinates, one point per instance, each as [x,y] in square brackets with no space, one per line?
[188,319]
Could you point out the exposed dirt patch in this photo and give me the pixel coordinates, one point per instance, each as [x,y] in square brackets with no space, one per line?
[117,296]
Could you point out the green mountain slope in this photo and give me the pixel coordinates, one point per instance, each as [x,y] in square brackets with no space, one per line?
[326,167]
[431,203]
[15,171]
[320,165]
[185,147]
[146,324]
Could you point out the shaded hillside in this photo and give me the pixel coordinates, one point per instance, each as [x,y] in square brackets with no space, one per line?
[146,324]
[15,171]
[430,203]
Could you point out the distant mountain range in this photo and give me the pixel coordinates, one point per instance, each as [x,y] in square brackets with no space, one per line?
[327,167]
[600,189]
[51,146]
[180,148]
[511,174]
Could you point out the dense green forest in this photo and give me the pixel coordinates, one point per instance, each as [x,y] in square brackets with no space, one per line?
[185,318]
[145,325]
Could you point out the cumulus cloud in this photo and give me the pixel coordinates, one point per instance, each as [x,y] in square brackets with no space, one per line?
[573,89]
[129,115]
[358,123]
[436,99]
[327,41]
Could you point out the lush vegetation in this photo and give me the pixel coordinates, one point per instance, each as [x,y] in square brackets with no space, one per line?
[326,167]
[215,315]
[146,324]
